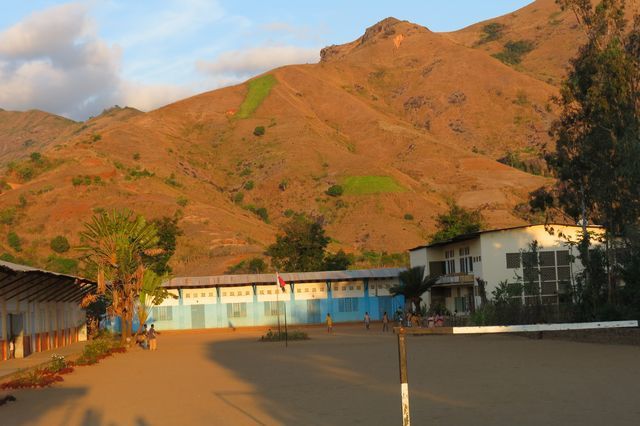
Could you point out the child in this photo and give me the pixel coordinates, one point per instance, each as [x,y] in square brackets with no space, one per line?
[329,323]
[367,320]
[151,336]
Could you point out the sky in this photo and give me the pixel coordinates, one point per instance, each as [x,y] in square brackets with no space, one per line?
[77,58]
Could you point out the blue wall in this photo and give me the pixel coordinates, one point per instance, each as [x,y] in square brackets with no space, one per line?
[297,311]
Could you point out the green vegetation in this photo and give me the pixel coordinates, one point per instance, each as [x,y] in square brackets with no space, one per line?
[535,166]
[339,261]
[168,232]
[248,185]
[96,137]
[182,201]
[60,244]
[278,336]
[98,349]
[86,180]
[257,91]
[335,190]
[136,173]
[491,32]
[14,241]
[246,172]
[255,265]
[8,216]
[364,185]
[136,156]
[514,51]
[408,216]
[238,197]
[289,212]
[28,169]
[413,284]
[521,98]
[375,259]
[172,181]
[457,221]
[62,264]
[22,201]
[258,131]
[261,212]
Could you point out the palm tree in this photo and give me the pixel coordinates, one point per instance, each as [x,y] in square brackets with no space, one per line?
[151,294]
[413,284]
[115,243]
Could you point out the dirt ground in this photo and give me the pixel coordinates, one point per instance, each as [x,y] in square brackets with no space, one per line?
[348,378]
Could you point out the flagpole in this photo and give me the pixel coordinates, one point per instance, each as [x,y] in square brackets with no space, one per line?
[278,304]
[286,333]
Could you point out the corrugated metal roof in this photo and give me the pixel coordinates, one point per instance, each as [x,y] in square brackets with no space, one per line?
[295,277]
[24,268]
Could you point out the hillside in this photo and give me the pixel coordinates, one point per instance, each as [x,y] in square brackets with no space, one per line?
[404,119]
[554,34]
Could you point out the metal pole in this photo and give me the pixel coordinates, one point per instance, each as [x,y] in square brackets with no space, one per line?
[278,307]
[404,385]
[286,333]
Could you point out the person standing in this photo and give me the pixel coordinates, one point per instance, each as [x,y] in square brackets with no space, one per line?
[385,322]
[152,338]
[329,323]
[367,320]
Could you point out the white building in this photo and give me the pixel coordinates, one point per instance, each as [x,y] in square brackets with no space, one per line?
[469,262]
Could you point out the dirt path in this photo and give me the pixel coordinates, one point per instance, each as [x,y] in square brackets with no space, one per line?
[344,379]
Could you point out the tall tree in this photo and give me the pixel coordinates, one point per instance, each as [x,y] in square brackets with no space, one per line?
[301,246]
[114,245]
[457,221]
[597,134]
[413,284]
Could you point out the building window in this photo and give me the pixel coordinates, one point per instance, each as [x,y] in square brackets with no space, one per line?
[210,294]
[187,295]
[203,295]
[348,304]
[461,304]
[163,313]
[466,265]
[271,308]
[450,266]
[513,260]
[247,292]
[563,258]
[463,251]
[236,310]
[448,254]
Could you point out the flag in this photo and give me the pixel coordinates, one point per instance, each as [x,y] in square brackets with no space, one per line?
[279,281]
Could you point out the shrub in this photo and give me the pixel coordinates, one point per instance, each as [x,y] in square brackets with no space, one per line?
[137,173]
[8,216]
[182,201]
[283,185]
[136,156]
[62,265]
[99,348]
[408,216]
[248,185]
[275,336]
[60,244]
[246,172]
[171,181]
[258,131]
[238,197]
[514,51]
[14,241]
[22,202]
[289,213]
[262,213]
[33,379]
[335,190]
[491,32]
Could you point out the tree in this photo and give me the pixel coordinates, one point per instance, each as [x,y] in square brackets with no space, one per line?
[168,232]
[255,265]
[115,246]
[151,294]
[301,246]
[457,221]
[413,284]
[339,261]
[598,132]
[60,244]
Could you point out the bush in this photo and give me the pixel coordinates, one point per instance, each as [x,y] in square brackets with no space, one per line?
[14,241]
[136,156]
[248,185]
[408,216]
[514,51]
[99,348]
[171,181]
[60,244]
[275,336]
[492,31]
[258,131]
[238,197]
[8,216]
[262,213]
[182,201]
[335,190]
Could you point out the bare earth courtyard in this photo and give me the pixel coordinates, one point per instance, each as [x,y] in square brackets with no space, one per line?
[350,377]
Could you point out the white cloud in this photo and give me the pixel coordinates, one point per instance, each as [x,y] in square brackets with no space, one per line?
[54,60]
[249,62]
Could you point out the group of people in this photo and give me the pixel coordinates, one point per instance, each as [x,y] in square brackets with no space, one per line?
[416,320]
[367,322]
[148,338]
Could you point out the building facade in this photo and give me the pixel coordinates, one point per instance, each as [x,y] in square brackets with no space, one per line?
[229,301]
[471,264]
[39,310]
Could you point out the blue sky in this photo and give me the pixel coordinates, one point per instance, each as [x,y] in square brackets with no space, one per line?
[77,58]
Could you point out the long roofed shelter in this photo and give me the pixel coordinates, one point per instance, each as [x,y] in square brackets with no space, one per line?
[256,300]
[39,310]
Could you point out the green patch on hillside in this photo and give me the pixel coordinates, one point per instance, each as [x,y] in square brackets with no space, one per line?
[258,90]
[514,51]
[365,185]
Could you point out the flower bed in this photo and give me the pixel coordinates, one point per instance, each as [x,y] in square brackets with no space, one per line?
[272,336]
[33,379]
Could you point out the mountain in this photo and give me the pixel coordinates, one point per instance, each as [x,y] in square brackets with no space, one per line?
[404,119]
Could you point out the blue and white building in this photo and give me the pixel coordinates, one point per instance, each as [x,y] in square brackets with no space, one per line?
[228,301]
